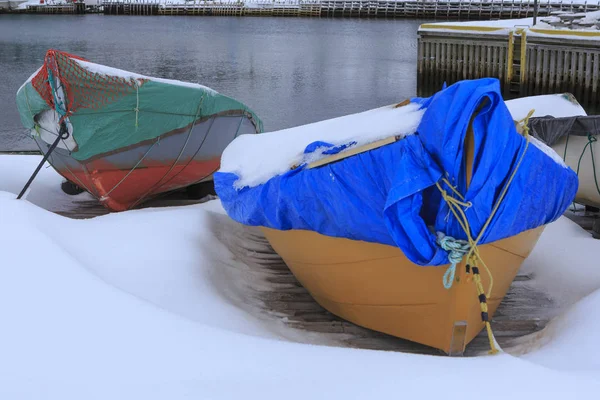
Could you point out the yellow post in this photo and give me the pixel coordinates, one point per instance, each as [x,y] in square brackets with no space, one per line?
[510,57]
[523,58]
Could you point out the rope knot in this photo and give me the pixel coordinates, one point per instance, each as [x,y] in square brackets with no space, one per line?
[456,249]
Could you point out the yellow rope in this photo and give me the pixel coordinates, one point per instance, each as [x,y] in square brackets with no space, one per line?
[473,257]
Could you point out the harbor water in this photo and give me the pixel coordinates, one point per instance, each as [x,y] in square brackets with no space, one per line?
[289,71]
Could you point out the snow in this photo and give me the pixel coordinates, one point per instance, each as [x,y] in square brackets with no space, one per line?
[105,70]
[557,105]
[160,303]
[165,302]
[565,262]
[565,265]
[578,325]
[257,158]
[584,27]
[502,26]
[549,151]
[45,190]
[591,17]
[26,3]
[23,5]
[502,23]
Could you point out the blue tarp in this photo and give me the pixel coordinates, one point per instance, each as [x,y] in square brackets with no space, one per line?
[388,195]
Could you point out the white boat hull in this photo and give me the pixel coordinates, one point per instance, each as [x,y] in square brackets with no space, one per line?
[587,193]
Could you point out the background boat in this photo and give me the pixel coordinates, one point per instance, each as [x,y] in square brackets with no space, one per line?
[128,137]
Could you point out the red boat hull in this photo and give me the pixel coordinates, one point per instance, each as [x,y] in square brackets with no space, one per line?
[124,179]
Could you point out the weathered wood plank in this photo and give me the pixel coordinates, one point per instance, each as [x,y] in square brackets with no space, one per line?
[538,70]
[545,70]
[587,80]
[552,72]
[580,74]
[559,70]
[573,72]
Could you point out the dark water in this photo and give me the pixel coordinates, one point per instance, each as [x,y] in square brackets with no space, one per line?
[290,71]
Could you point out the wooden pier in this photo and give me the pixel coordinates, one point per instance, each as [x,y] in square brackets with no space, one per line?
[425,9]
[74,7]
[528,61]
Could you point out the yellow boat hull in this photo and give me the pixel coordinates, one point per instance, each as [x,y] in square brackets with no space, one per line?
[377,287]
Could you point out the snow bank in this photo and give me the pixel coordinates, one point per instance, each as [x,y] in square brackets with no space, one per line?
[160,303]
[152,319]
[257,158]
[576,330]
[565,262]
[45,190]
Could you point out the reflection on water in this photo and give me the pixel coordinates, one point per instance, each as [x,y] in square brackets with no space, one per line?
[289,71]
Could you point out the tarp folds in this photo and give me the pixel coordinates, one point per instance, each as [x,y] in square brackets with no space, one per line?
[550,130]
[388,195]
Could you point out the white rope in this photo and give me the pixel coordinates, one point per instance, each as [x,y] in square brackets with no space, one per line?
[129,173]
[137,104]
[141,198]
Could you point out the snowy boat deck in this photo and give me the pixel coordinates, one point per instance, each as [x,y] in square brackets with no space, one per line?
[524,311]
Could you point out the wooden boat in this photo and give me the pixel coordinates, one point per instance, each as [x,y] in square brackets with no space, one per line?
[366,225]
[128,137]
[376,286]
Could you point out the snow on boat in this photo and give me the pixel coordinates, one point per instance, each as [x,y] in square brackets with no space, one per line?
[573,135]
[411,219]
[126,137]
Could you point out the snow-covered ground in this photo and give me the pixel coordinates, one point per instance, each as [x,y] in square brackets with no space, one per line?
[158,303]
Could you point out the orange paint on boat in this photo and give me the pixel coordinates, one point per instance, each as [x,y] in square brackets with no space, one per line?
[121,189]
